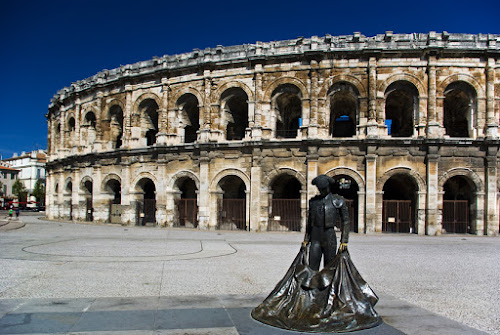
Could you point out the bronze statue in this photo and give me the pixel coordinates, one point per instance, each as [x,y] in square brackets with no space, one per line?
[326,211]
[335,299]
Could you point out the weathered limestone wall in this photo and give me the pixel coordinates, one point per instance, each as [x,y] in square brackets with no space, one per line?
[98,128]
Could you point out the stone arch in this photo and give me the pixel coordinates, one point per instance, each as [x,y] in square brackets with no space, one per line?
[286,80]
[84,180]
[175,98]
[66,185]
[109,176]
[402,108]
[87,110]
[183,174]
[234,112]
[461,77]
[343,109]
[464,172]
[187,109]
[402,170]
[275,173]
[139,177]
[348,172]
[233,84]
[114,102]
[403,77]
[143,97]
[229,172]
[343,78]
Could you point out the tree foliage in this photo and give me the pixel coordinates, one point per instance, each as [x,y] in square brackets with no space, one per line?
[19,190]
[39,190]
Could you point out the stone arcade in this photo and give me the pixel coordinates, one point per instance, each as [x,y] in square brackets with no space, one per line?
[231,137]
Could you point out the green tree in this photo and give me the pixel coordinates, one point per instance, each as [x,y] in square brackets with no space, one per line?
[39,191]
[19,190]
[1,188]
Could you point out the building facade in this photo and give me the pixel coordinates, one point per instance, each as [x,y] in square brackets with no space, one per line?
[8,177]
[31,166]
[231,137]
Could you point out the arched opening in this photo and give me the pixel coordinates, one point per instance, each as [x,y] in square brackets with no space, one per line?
[149,120]
[348,188]
[231,204]
[89,133]
[57,136]
[287,104]
[343,109]
[234,106]
[114,190]
[285,211]
[116,126]
[459,201]
[146,202]
[189,115]
[460,106]
[399,204]
[87,186]
[401,108]
[70,130]
[186,203]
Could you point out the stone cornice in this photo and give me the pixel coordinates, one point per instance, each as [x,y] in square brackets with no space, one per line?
[355,44]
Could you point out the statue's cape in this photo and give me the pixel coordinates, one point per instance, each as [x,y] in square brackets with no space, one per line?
[335,299]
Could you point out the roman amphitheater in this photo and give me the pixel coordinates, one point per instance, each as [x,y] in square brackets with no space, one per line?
[231,137]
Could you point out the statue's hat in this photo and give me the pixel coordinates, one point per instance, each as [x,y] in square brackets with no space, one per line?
[323,181]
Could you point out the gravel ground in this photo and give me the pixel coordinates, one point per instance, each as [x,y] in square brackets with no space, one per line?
[455,276]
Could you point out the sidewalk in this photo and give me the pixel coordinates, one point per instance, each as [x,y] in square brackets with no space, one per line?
[6,224]
[190,315]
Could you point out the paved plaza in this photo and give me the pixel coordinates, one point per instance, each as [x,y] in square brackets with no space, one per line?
[64,278]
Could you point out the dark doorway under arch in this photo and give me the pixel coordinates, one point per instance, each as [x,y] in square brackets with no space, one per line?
[235,108]
[146,203]
[285,211]
[401,108]
[399,204]
[187,203]
[89,209]
[232,204]
[458,205]
[459,108]
[189,114]
[114,190]
[348,188]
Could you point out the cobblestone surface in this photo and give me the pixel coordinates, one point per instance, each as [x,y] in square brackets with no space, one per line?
[454,276]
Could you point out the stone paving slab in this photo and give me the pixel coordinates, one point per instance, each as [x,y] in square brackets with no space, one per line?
[226,314]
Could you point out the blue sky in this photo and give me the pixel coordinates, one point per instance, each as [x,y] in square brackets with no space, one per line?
[47,45]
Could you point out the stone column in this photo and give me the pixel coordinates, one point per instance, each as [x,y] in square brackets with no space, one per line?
[75,191]
[100,201]
[204,109]
[161,194]
[371,224]
[313,108]
[162,136]
[433,126]
[204,219]
[372,125]
[361,212]
[255,191]
[480,205]
[421,211]
[127,116]
[434,206]
[128,211]
[491,192]
[312,170]
[491,120]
